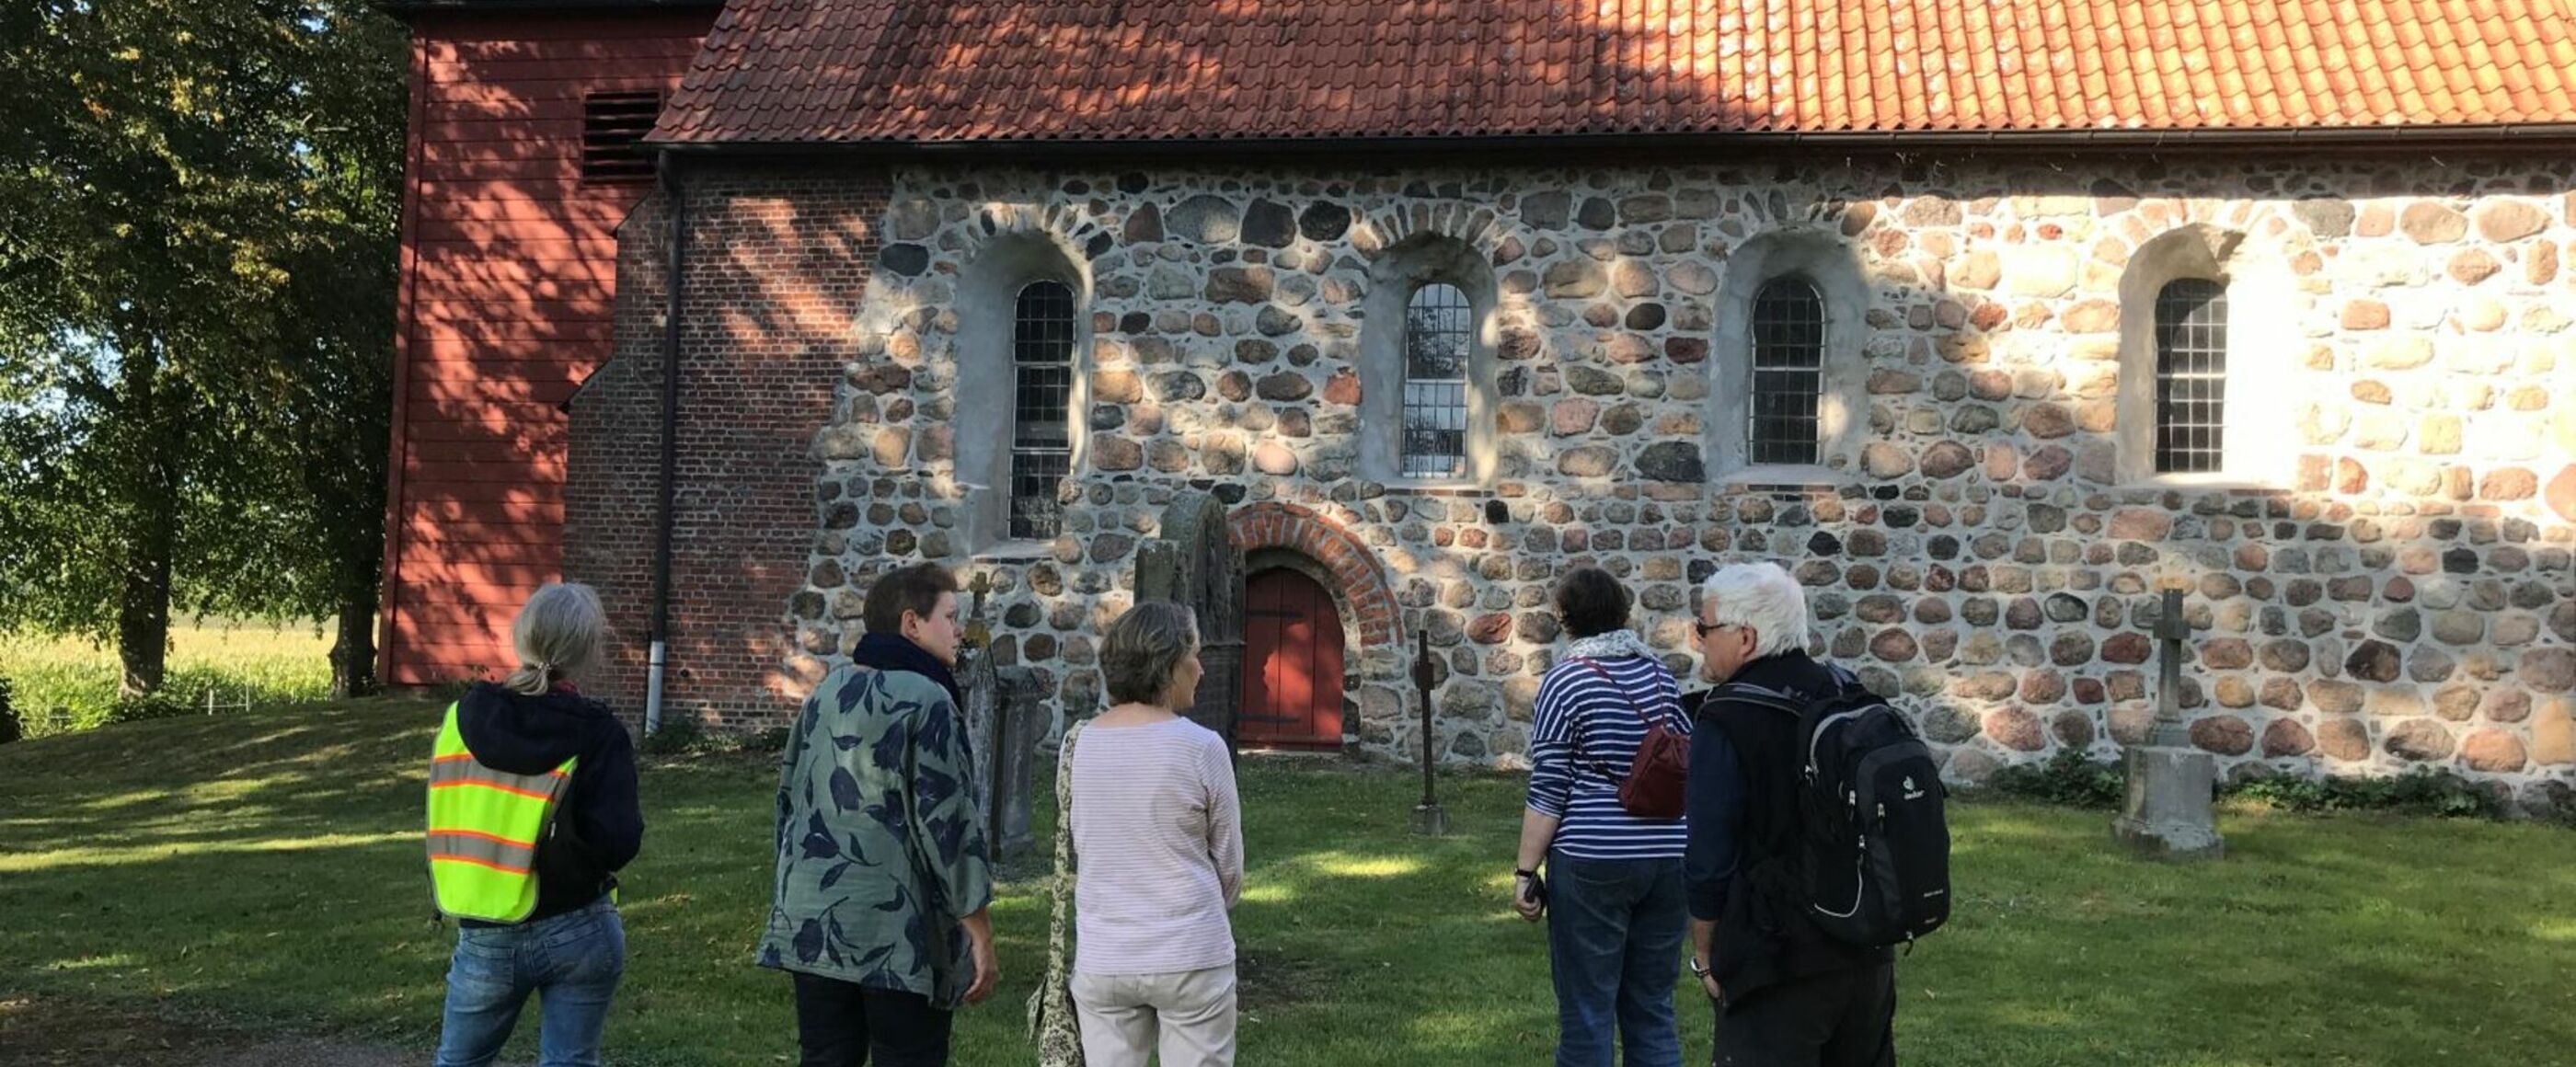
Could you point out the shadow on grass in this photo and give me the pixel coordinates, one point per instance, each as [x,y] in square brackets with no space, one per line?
[265,867]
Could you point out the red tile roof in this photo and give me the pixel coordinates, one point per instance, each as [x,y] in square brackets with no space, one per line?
[852,71]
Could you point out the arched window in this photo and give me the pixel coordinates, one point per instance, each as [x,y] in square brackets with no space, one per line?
[2191,376]
[1429,388]
[1042,338]
[1788,372]
[1438,335]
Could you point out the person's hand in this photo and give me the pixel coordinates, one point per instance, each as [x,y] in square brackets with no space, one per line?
[1525,898]
[1708,983]
[988,974]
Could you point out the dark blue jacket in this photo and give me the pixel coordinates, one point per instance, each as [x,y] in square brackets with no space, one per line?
[1743,805]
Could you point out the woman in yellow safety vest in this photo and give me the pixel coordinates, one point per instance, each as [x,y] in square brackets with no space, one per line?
[532,811]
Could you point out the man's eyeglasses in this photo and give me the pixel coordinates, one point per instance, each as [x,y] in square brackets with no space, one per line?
[1707,628]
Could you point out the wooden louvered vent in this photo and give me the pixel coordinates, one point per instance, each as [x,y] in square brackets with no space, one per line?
[613,126]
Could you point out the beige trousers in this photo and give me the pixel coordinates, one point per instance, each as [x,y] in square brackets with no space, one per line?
[1120,1014]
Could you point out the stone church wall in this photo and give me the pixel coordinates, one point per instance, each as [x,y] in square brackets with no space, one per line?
[2380,577]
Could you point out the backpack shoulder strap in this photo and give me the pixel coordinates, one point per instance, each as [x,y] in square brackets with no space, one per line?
[1059,921]
[1758,695]
[1606,676]
[1575,727]
[1064,800]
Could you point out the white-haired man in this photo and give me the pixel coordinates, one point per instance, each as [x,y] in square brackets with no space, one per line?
[1786,994]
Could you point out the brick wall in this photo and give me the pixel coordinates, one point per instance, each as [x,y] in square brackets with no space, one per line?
[613,460]
[764,335]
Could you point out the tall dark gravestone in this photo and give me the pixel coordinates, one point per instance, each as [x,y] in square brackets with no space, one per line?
[1196,563]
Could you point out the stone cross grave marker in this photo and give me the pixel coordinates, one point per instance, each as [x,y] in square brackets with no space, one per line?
[2166,814]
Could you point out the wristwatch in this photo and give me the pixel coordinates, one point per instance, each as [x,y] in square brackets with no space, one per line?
[1696,970]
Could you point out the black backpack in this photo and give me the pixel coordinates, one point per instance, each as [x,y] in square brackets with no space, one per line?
[1875,863]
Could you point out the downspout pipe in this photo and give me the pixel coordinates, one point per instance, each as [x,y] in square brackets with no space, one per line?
[675,291]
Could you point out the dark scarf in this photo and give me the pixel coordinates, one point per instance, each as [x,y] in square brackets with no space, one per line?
[895,652]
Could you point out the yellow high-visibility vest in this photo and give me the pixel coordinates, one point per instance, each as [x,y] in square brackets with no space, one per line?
[484,826]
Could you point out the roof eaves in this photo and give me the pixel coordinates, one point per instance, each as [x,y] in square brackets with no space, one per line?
[2077,139]
[406,9]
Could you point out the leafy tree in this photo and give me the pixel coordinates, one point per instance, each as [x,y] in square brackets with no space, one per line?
[196,227]
[326,449]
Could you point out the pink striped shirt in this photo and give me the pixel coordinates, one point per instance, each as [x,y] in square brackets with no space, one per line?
[1158,849]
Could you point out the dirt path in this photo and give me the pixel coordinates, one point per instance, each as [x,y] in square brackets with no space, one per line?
[53,1031]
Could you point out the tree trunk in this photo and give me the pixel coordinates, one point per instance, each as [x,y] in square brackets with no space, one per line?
[12,728]
[156,439]
[143,613]
[353,655]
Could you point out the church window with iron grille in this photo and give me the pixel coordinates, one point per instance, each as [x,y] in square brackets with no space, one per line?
[2191,376]
[1438,338]
[1042,338]
[1788,372]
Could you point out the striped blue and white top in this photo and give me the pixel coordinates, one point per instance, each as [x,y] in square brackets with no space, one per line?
[1583,736]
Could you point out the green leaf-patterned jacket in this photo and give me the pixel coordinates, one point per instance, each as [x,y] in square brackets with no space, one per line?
[880,850]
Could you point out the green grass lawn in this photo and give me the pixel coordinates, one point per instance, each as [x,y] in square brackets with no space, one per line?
[267,867]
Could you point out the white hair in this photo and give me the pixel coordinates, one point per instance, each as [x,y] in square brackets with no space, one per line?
[558,633]
[1762,596]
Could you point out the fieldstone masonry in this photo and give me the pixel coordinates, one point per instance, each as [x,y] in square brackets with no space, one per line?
[2393,589]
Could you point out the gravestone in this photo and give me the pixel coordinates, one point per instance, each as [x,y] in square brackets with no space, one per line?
[1196,563]
[978,682]
[1023,727]
[1002,710]
[2170,781]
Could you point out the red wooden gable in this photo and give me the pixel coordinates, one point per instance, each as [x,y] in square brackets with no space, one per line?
[509,280]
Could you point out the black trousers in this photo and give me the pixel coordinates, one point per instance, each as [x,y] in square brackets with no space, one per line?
[1841,1018]
[839,1023]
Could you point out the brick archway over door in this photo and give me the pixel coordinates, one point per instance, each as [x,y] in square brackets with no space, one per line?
[1270,524]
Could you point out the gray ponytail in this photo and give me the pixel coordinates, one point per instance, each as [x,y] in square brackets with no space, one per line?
[558,633]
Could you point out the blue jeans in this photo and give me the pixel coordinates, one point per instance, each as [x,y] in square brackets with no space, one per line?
[1614,943]
[570,961]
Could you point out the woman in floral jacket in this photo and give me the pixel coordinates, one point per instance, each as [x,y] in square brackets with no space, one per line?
[878,908]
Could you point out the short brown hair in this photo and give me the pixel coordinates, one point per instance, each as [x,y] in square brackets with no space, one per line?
[1591,601]
[1144,648]
[916,589]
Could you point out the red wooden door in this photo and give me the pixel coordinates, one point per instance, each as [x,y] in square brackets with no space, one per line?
[1292,663]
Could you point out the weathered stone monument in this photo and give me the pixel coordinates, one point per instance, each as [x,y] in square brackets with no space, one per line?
[1195,562]
[1023,726]
[1004,725]
[2167,812]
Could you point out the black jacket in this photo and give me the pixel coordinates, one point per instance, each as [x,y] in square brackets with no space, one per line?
[1765,936]
[600,826]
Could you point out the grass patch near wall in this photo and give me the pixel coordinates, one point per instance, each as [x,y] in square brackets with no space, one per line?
[267,868]
[69,683]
